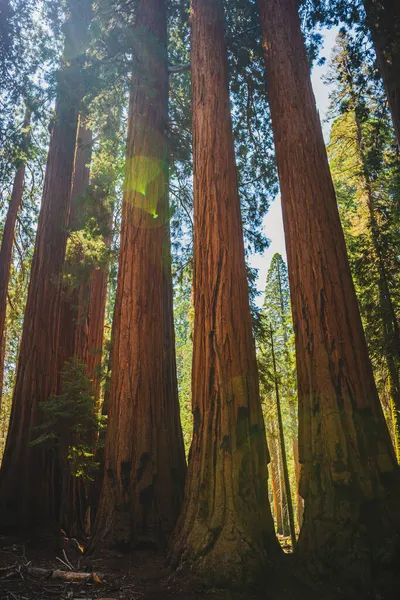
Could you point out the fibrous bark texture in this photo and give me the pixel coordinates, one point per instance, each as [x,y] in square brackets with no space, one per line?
[144,471]
[383,19]
[226,531]
[29,484]
[349,471]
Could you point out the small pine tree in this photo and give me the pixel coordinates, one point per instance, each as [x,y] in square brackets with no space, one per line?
[72,421]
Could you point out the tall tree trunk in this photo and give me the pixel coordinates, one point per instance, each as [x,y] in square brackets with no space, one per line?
[288,494]
[29,484]
[73,338]
[96,486]
[144,472]
[276,483]
[6,249]
[226,530]
[73,325]
[96,316]
[350,477]
[293,416]
[383,19]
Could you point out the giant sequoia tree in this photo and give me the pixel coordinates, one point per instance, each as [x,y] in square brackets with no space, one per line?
[32,499]
[225,531]
[350,475]
[145,467]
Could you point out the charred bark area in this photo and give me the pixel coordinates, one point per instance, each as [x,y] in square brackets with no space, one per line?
[350,478]
[144,472]
[383,20]
[225,532]
[30,475]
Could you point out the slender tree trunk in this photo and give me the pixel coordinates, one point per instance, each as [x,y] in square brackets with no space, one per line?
[29,478]
[285,530]
[226,530]
[6,252]
[288,494]
[350,477]
[96,316]
[144,472]
[276,483]
[73,325]
[293,416]
[73,339]
[95,489]
[276,458]
[383,19]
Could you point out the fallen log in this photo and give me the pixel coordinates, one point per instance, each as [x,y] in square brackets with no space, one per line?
[69,576]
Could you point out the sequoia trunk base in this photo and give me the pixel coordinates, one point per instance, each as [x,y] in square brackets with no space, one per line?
[144,471]
[225,532]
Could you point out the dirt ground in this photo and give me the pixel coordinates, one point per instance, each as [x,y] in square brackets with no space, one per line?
[134,576]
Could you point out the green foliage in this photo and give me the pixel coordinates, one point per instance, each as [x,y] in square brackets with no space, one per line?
[184,318]
[366,173]
[72,421]
[277,323]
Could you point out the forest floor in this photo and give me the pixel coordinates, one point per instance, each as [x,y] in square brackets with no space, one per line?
[32,571]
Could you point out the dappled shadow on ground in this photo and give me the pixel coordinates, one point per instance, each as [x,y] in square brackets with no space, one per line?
[43,570]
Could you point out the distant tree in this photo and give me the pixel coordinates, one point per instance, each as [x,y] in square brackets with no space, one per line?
[276,315]
[362,149]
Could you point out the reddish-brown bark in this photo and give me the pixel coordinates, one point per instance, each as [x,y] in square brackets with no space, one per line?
[276,482]
[349,472]
[73,325]
[6,252]
[144,472]
[29,479]
[383,19]
[73,338]
[95,336]
[82,322]
[226,530]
